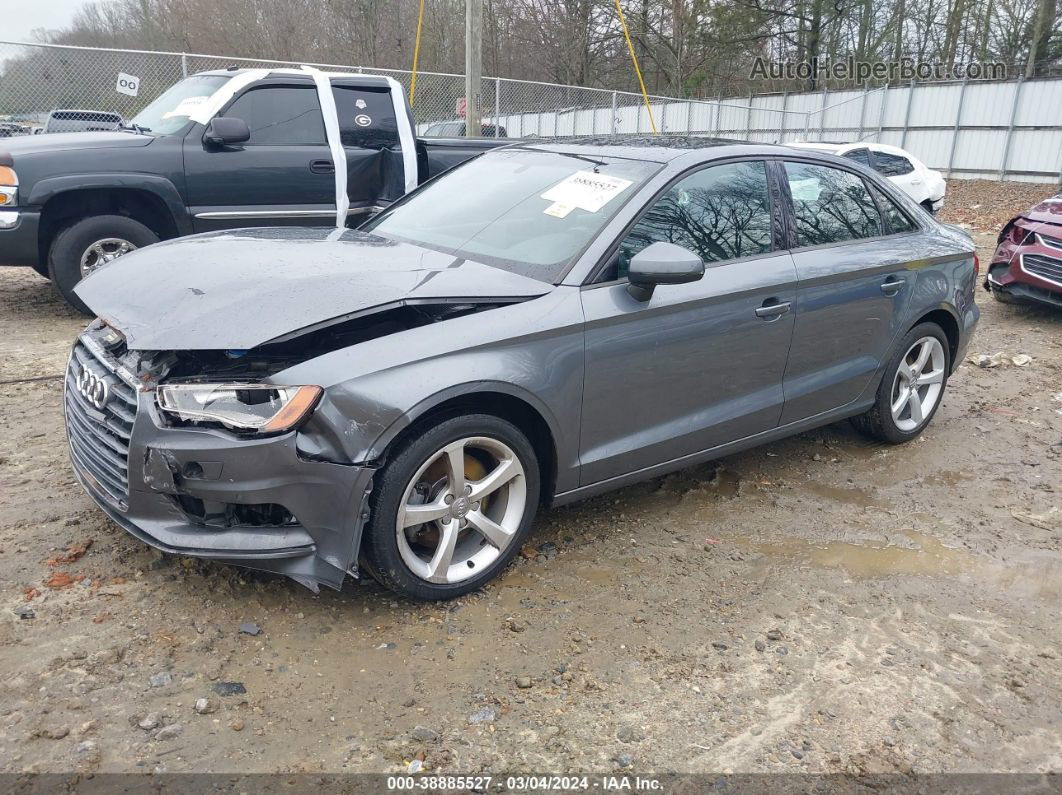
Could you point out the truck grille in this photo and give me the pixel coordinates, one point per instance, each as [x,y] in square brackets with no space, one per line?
[99,422]
[1048,268]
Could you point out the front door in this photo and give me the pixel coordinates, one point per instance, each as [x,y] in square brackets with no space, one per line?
[282,175]
[700,364]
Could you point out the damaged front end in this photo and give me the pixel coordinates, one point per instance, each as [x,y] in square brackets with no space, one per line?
[195,486]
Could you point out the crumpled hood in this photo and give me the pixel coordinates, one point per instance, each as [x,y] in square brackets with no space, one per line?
[239,289]
[50,142]
[1049,211]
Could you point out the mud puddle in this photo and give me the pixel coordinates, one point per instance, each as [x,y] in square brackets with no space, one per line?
[1039,576]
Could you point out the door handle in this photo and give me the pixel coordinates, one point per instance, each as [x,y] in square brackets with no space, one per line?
[772,309]
[892,285]
[322,167]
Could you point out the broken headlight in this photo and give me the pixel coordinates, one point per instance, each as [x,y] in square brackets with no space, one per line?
[261,408]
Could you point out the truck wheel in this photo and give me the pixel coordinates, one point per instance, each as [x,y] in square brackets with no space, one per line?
[452,507]
[91,243]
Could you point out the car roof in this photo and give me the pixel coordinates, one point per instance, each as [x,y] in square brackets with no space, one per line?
[653,149]
[291,72]
[835,148]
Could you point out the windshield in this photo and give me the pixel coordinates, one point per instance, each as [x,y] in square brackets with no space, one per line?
[523,210]
[169,113]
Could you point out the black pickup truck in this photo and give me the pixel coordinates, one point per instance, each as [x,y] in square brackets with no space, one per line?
[220,149]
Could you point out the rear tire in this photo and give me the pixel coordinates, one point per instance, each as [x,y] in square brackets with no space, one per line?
[413,558]
[88,244]
[900,412]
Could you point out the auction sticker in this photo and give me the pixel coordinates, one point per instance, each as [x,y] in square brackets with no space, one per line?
[586,190]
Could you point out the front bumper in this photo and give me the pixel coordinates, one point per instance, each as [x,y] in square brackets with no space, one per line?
[937,205]
[183,481]
[18,237]
[1027,273]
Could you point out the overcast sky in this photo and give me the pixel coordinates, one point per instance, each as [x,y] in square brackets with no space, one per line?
[22,17]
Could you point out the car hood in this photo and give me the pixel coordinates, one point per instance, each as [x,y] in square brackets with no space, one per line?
[51,142]
[1049,211]
[242,288]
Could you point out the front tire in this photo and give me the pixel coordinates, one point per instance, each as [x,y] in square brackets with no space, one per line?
[452,507]
[912,387]
[89,244]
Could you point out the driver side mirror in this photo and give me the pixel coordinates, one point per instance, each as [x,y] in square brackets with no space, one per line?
[224,130]
[662,263]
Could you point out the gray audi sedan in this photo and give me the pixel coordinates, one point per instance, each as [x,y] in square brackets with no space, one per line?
[541,324]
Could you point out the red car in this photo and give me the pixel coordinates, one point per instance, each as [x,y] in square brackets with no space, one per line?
[1027,265]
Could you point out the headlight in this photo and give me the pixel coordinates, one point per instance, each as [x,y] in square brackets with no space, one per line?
[263,408]
[8,187]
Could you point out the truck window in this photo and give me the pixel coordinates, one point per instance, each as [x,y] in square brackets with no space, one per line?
[366,117]
[280,115]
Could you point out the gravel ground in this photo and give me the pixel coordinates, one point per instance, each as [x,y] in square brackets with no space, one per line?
[823,604]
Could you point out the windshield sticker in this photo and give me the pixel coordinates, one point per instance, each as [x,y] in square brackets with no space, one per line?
[185,107]
[558,210]
[586,190]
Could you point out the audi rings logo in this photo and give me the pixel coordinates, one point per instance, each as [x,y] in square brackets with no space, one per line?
[93,388]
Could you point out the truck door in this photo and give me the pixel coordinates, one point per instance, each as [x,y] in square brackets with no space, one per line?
[368,130]
[283,175]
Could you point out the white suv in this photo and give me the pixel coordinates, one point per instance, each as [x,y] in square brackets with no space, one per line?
[912,176]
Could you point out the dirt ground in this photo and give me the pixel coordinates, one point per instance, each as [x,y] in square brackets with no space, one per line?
[823,604]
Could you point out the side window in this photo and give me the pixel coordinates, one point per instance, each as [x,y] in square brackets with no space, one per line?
[366,118]
[830,205]
[895,218]
[280,115]
[721,213]
[861,156]
[892,165]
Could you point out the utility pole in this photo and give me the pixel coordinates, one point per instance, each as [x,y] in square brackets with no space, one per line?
[473,67]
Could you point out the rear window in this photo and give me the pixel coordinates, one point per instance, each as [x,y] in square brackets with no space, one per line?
[861,156]
[895,218]
[366,117]
[830,205]
[892,165]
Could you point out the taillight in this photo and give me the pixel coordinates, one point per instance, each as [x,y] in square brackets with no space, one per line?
[977,264]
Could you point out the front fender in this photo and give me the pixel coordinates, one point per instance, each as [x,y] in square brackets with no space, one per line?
[46,189]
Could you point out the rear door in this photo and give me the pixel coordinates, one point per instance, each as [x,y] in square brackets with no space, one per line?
[853,285]
[368,130]
[699,364]
[282,175]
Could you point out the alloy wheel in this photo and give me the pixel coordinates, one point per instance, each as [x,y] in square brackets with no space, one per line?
[461,510]
[918,383]
[103,251]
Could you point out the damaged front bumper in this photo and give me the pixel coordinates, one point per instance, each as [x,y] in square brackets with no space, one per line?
[252,502]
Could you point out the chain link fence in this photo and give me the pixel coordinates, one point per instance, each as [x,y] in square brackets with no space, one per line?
[37,80]
[1006,129]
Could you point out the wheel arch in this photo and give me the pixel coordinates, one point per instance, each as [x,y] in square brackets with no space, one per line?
[949,324]
[498,399]
[152,201]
